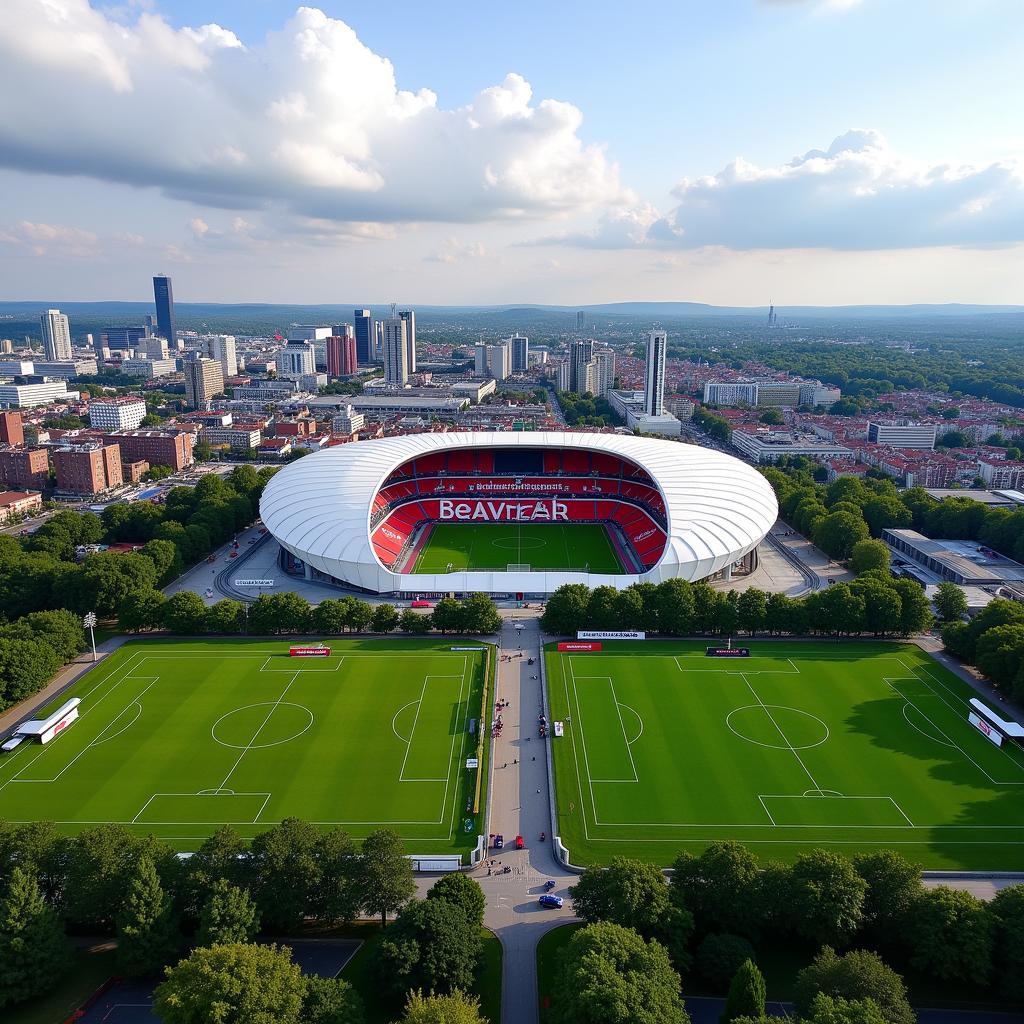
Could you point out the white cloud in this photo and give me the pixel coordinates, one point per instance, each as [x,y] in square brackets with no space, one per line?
[454,251]
[310,121]
[618,228]
[54,240]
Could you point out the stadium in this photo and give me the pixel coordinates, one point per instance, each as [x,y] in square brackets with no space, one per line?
[515,513]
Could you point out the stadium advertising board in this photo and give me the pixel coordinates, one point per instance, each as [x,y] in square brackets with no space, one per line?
[575,645]
[502,511]
[985,729]
[727,652]
[254,583]
[611,634]
[309,652]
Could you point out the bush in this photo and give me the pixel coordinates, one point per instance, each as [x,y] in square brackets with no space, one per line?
[721,955]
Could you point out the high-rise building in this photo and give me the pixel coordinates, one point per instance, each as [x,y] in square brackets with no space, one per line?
[581,320]
[654,382]
[604,371]
[342,331]
[125,413]
[295,359]
[378,340]
[11,430]
[222,348]
[493,360]
[366,339]
[396,352]
[88,469]
[56,335]
[341,354]
[409,316]
[6,346]
[120,339]
[164,297]
[25,467]
[153,347]
[581,354]
[520,352]
[203,380]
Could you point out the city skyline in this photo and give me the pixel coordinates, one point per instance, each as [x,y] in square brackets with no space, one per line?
[811,151]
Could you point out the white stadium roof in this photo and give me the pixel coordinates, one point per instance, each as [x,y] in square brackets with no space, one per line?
[319,509]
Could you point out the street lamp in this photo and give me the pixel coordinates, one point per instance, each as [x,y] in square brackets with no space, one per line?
[90,621]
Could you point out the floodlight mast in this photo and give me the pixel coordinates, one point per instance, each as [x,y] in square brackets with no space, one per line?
[90,621]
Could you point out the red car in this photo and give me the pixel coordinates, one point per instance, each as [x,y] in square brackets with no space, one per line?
[519,842]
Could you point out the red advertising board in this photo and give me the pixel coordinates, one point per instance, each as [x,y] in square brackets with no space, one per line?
[309,652]
[579,645]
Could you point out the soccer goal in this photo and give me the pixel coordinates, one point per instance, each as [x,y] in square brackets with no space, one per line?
[518,566]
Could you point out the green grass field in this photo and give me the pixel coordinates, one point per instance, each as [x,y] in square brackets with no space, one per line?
[453,546]
[176,739]
[849,746]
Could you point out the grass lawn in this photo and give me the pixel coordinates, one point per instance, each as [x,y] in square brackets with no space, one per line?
[359,971]
[89,972]
[497,545]
[840,745]
[177,738]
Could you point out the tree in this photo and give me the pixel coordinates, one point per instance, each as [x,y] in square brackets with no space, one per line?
[284,868]
[718,887]
[34,953]
[25,668]
[385,619]
[166,559]
[627,892]
[236,984]
[387,874]
[278,613]
[331,1001]
[415,622]
[827,897]
[950,935]
[869,554]
[675,610]
[60,629]
[338,896]
[448,615]
[223,856]
[953,439]
[454,1008]
[772,417]
[229,915]
[836,1010]
[752,610]
[226,617]
[185,613]
[950,602]
[746,993]
[432,946]
[566,610]
[893,885]
[142,611]
[461,891]
[1000,653]
[838,532]
[915,608]
[331,616]
[1007,912]
[480,614]
[608,974]
[858,974]
[147,934]
[886,512]
[720,956]
[105,581]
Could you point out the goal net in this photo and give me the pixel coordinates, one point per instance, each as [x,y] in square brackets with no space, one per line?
[518,566]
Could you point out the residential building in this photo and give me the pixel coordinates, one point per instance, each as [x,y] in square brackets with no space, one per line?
[296,358]
[581,355]
[343,331]
[383,406]
[604,372]
[124,413]
[341,354]
[347,422]
[234,436]
[654,379]
[163,294]
[1001,475]
[88,469]
[221,347]
[409,317]
[25,467]
[265,392]
[17,367]
[365,337]
[18,503]
[11,429]
[520,352]
[396,352]
[311,382]
[166,447]
[903,434]
[203,380]
[680,407]
[21,396]
[815,393]
[149,369]
[493,360]
[56,335]
[730,392]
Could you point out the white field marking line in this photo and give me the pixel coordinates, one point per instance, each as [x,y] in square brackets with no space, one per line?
[454,767]
[245,750]
[91,743]
[583,740]
[926,735]
[395,715]
[575,757]
[203,792]
[805,842]
[766,811]
[785,738]
[419,707]
[311,671]
[831,794]
[622,726]
[638,718]
[124,729]
[261,810]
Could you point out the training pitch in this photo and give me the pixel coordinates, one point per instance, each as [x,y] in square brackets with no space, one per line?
[176,739]
[535,546]
[847,746]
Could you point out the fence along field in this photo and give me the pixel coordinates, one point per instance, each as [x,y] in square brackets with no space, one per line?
[178,738]
[847,746]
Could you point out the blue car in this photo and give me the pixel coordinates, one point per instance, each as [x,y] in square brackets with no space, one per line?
[550,901]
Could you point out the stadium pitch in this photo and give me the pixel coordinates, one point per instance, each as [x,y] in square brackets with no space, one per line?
[537,546]
[176,739]
[845,746]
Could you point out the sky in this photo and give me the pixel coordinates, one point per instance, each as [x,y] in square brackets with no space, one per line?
[738,152]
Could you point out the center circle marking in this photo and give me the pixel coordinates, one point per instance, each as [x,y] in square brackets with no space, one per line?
[777,726]
[526,543]
[281,726]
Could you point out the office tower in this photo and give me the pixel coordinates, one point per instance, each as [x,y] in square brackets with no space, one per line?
[581,320]
[295,359]
[654,385]
[56,335]
[581,354]
[365,336]
[11,431]
[222,348]
[378,342]
[520,352]
[341,354]
[164,296]
[343,331]
[396,352]
[604,371]
[123,338]
[153,347]
[409,316]
[203,380]
[493,360]
[6,346]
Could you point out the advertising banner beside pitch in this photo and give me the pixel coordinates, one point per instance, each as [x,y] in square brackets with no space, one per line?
[611,634]
[572,645]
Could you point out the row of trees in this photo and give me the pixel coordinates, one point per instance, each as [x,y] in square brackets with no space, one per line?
[186,614]
[721,907]
[994,641]
[874,603]
[587,410]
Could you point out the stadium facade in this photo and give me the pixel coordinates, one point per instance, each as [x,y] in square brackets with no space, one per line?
[358,514]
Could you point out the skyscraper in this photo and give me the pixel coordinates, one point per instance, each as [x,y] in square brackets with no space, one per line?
[654,384]
[203,380]
[604,371]
[365,337]
[520,353]
[164,297]
[341,353]
[581,354]
[56,335]
[396,352]
[409,316]
[493,360]
[581,320]
[222,348]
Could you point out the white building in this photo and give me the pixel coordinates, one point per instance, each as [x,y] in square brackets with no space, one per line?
[153,347]
[654,381]
[347,422]
[21,396]
[396,352]
[903,434]
[203,380]
[730,392]
[493,360]
[630,406]
[56,334]
[149,368]
[296,358]
[117,413]
[604,372]
[770,446]
[221,347]
[581,374]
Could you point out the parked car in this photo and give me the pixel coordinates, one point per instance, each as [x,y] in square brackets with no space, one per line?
[550,901]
